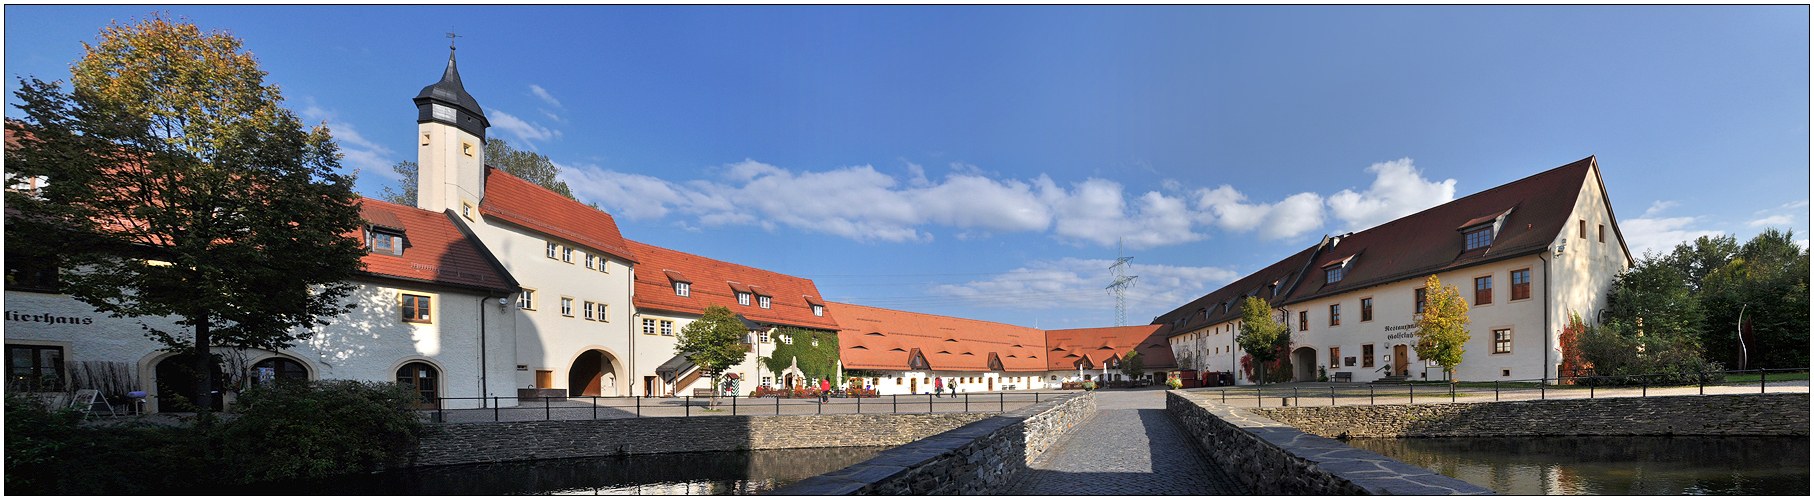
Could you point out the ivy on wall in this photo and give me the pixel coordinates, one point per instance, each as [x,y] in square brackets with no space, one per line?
[816,352]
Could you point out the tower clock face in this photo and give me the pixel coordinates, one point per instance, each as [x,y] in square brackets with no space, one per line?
[444,113]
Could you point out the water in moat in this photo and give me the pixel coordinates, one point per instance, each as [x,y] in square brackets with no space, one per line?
[1611,465]
[714,473]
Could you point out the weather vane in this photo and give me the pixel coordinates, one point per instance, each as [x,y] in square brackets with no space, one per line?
[450,39]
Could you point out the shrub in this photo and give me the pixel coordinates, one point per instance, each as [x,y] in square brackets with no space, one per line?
[294,429]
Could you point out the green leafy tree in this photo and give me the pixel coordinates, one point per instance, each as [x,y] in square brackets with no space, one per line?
[714,342]
[177,185]
[526,165]
[1766,282]
[1442,329]
[1700,258]
[1261,336]
[1654,297]
[1133,364]
[406,173]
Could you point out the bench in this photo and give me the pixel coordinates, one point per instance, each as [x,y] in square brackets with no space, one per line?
[1342,377]
[702,393]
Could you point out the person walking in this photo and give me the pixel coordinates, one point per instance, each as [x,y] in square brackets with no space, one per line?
[938,387]
[824,390]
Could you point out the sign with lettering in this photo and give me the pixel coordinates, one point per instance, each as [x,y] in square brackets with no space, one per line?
[1395,332]
[48,318]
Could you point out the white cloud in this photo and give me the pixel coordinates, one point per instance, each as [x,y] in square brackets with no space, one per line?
[525,132]
[363,155]
[1095,211]
[1646,235]
[544,95]
[1771,220]
[863,204]
[1073,283]
[1295,215]
[1398,190]
[1657,207]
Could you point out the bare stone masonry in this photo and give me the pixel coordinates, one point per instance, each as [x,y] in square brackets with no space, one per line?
[486,442]
[1271,458]
[1718,415]
[983,458]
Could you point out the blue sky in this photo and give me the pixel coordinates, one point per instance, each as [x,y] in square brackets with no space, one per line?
[982,161]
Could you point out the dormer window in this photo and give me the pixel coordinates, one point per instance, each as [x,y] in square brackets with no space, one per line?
[762,301]
[386,243]
[743,298]
[681,289]
[1332,275]
[1479,238]
[818,310]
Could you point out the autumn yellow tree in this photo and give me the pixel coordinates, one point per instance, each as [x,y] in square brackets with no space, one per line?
[177,185]
[1442,329]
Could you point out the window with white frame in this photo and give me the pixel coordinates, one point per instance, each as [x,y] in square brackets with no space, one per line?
[743,298]
[787,339]
[588,310]
[818,310]
[567,254]
[667,328]
[762,337]
[589,260]
[553,249]
[682,288]
[566,307]
[648,326]
[526,300]
[762,301]
[603,310]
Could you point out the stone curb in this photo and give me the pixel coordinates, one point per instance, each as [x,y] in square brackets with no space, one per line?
[1276,459]
[981,458]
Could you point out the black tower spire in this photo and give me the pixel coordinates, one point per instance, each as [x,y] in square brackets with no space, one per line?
[447,102]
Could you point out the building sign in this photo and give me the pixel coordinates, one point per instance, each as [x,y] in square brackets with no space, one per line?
[1400,332]
[48,318]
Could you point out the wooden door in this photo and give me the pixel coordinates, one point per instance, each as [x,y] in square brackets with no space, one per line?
[1401,362]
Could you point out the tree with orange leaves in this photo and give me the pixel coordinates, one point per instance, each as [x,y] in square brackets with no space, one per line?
[171,182]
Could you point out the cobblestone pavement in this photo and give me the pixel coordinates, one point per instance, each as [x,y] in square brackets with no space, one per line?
[1129,448]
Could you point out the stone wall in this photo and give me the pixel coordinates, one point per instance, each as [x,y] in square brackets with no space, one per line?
[1275,459]
[1721,415]
[485,442]
[982,458]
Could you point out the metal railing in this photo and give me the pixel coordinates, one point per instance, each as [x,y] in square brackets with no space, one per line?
[1574,387]
[518,409]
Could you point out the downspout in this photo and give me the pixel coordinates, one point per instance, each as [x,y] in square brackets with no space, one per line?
[484,384]
[1546,324]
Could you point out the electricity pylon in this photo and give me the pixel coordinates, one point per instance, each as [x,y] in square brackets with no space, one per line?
[1121,284]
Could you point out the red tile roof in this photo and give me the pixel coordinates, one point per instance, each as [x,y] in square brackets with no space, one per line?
[1414,245]
[1426,243]
[882,339]
[1098,345]
[712,284]
[434,250]
[534,207]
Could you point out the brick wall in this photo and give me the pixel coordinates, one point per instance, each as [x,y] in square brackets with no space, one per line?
[982,458]
[1275,459]
[485,442]
[1721,415]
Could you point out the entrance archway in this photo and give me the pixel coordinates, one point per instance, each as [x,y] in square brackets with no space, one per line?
[592,374]
[1303,364]
[424,379]
[176,384]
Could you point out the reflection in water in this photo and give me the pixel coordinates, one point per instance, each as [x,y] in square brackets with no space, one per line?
[714,473]
[1611,465]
